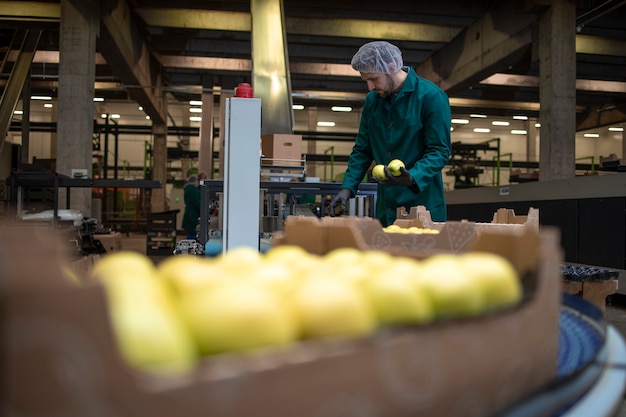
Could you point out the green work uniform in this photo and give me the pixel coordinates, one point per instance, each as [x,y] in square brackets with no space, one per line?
[414,126]
[192,208]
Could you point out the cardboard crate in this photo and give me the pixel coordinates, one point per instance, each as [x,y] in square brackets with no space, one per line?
[503,220]
[112,242]
[282,149]
[60,356]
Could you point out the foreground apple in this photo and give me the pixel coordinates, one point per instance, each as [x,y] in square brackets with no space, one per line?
[495,276]
[451,292]
[150,333]
[330,307]
[397,300]
[189,273]
[236,316]
[394,167]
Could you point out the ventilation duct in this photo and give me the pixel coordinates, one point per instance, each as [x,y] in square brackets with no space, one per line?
[270,63]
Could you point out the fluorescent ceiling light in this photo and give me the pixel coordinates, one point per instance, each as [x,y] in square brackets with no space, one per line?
[98,99]
[520,117]
[616,129]
[18,112]
[298,107]
[341,108]
[591,135]
[40,98]
[479,116]
[460,121]
[326,124]
[141,108]
[500,123]
[537,124]
[195,118]
[482,130]
[104,115]
[115,116]
[147,117]
[195,102]
[195,110]
[48,105]
[518,132]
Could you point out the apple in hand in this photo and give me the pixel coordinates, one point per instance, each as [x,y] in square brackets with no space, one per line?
[379,172]
[394,167]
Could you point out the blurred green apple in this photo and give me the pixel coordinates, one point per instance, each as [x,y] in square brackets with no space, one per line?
[236,316]
[396,300]
[452,292]
[331,307]
[495,276]
[145,321]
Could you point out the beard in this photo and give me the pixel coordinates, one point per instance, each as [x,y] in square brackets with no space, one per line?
[387,91]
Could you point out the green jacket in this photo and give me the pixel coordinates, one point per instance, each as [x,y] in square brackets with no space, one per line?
[191,195]
[414,127]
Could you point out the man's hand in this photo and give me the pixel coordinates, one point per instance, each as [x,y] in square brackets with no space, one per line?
[339,199]
[404,179]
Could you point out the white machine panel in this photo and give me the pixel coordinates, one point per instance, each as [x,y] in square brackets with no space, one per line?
[242,169]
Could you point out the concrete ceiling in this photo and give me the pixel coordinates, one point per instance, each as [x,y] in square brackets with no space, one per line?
[202,45]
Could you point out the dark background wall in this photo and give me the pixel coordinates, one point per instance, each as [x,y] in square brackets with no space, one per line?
[592,229]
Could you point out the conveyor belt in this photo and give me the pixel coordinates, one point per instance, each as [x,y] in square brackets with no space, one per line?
[591,368]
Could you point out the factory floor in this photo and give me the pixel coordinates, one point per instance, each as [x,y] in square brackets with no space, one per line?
[615,313]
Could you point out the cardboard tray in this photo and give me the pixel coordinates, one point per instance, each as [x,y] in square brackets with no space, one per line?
[503,220]
[60,358]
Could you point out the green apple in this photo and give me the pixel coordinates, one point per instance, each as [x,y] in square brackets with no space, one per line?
[152,337]
[329,307]
[127,262]
[237,316]
[396,300]
[147,327]
[452,292]
[394,167]
[276,276]
[376,261]
[189,273]
[297,259]
[379,172]
[240,261]
[344,263]
[495,276]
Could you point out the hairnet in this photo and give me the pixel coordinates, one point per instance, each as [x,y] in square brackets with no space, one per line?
[191,179]
[378,56]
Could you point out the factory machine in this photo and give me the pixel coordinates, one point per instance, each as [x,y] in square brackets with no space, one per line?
[277,200]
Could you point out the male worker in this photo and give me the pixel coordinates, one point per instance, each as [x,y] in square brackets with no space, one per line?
[404,117]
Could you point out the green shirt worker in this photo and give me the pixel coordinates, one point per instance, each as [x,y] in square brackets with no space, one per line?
[191,195]
[404,117]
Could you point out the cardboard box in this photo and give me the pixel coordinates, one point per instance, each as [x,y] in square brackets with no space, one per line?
[82,267]
[112,242]
[593,291]
[60,356]
[503,220]
[282,149]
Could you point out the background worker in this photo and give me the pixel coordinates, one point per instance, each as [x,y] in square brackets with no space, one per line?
[404,117]
[191,195]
